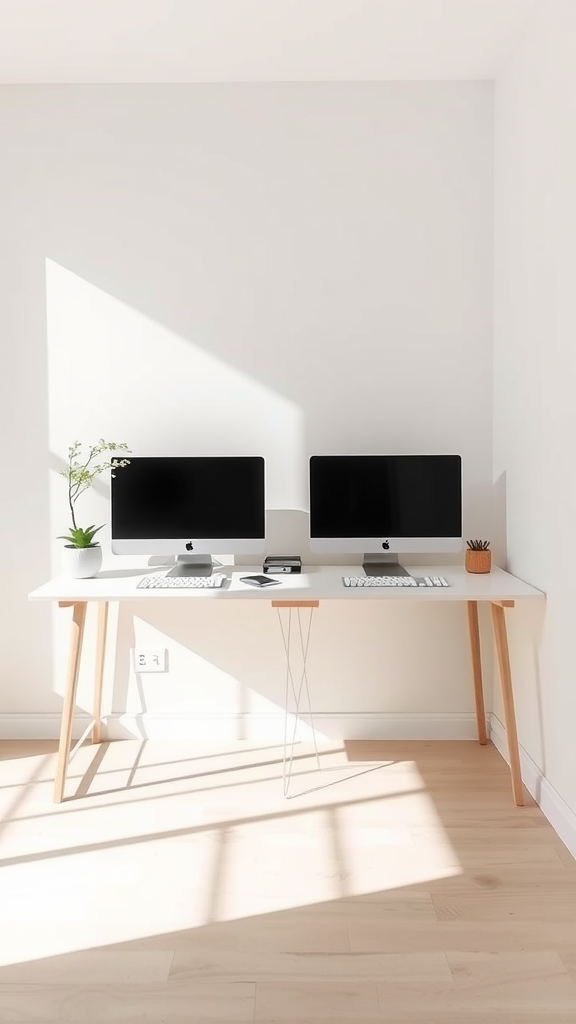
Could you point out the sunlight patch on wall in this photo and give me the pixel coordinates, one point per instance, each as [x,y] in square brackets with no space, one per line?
[212,687]
[115,373]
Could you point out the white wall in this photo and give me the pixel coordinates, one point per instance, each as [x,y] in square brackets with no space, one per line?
[535,372]
[275,269]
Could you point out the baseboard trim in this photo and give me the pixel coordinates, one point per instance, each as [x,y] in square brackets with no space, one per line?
[559,813]
[252,726]
[39,726]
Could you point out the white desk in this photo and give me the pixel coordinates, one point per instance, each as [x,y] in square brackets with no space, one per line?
[315,584]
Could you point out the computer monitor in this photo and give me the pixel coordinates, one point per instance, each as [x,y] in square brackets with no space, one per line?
[378,505]
[190,508]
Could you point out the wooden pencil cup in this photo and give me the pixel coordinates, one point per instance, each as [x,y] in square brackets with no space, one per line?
[478,561]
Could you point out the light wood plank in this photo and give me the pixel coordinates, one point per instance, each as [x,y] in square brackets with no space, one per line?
[370,935]
[398,968]
[508,880]
[297,998]
[550,906]
[544,860]
[500,1001]
[295,931]
[486,970]
[566,857]
[489,832]
[569,961]
[92,967]
[197,1002]
[424,1013]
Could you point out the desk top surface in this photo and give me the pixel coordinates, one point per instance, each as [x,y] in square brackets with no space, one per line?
[316,582]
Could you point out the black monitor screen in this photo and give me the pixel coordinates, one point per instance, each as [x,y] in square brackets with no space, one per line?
[170,498]
[385,495]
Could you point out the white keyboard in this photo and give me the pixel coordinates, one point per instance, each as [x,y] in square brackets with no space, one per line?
[182,582]
[394,581]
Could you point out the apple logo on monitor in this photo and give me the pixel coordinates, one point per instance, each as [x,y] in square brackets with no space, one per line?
[386,545]
[189,546]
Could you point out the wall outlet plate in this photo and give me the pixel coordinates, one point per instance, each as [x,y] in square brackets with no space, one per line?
[150,659]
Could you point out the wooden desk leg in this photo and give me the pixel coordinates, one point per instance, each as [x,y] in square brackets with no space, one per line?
[99,673]
[76,636]
[501,643]
[472,609]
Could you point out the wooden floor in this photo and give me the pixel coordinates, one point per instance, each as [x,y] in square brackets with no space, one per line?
[179,885]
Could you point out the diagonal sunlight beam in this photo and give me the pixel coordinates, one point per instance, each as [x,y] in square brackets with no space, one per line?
[231,857]
[133,354]
[189,831]
[72,806]
[23,789]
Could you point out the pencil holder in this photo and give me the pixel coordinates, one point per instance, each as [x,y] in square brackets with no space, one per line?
[478,556]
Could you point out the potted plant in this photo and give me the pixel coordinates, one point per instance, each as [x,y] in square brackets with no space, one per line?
[82,556]
[478,556]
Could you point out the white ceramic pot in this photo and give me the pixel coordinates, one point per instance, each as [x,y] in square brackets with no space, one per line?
[81,563]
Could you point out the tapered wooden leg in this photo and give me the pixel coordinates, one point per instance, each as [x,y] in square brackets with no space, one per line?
[472,608]
[501,643]
[76,635]
[99,670]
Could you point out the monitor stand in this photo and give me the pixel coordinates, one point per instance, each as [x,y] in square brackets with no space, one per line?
[383,564]
[192,565]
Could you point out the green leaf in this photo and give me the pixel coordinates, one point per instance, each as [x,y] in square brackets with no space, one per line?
[81,538]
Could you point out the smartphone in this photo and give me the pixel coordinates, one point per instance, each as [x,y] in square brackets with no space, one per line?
[259,581]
